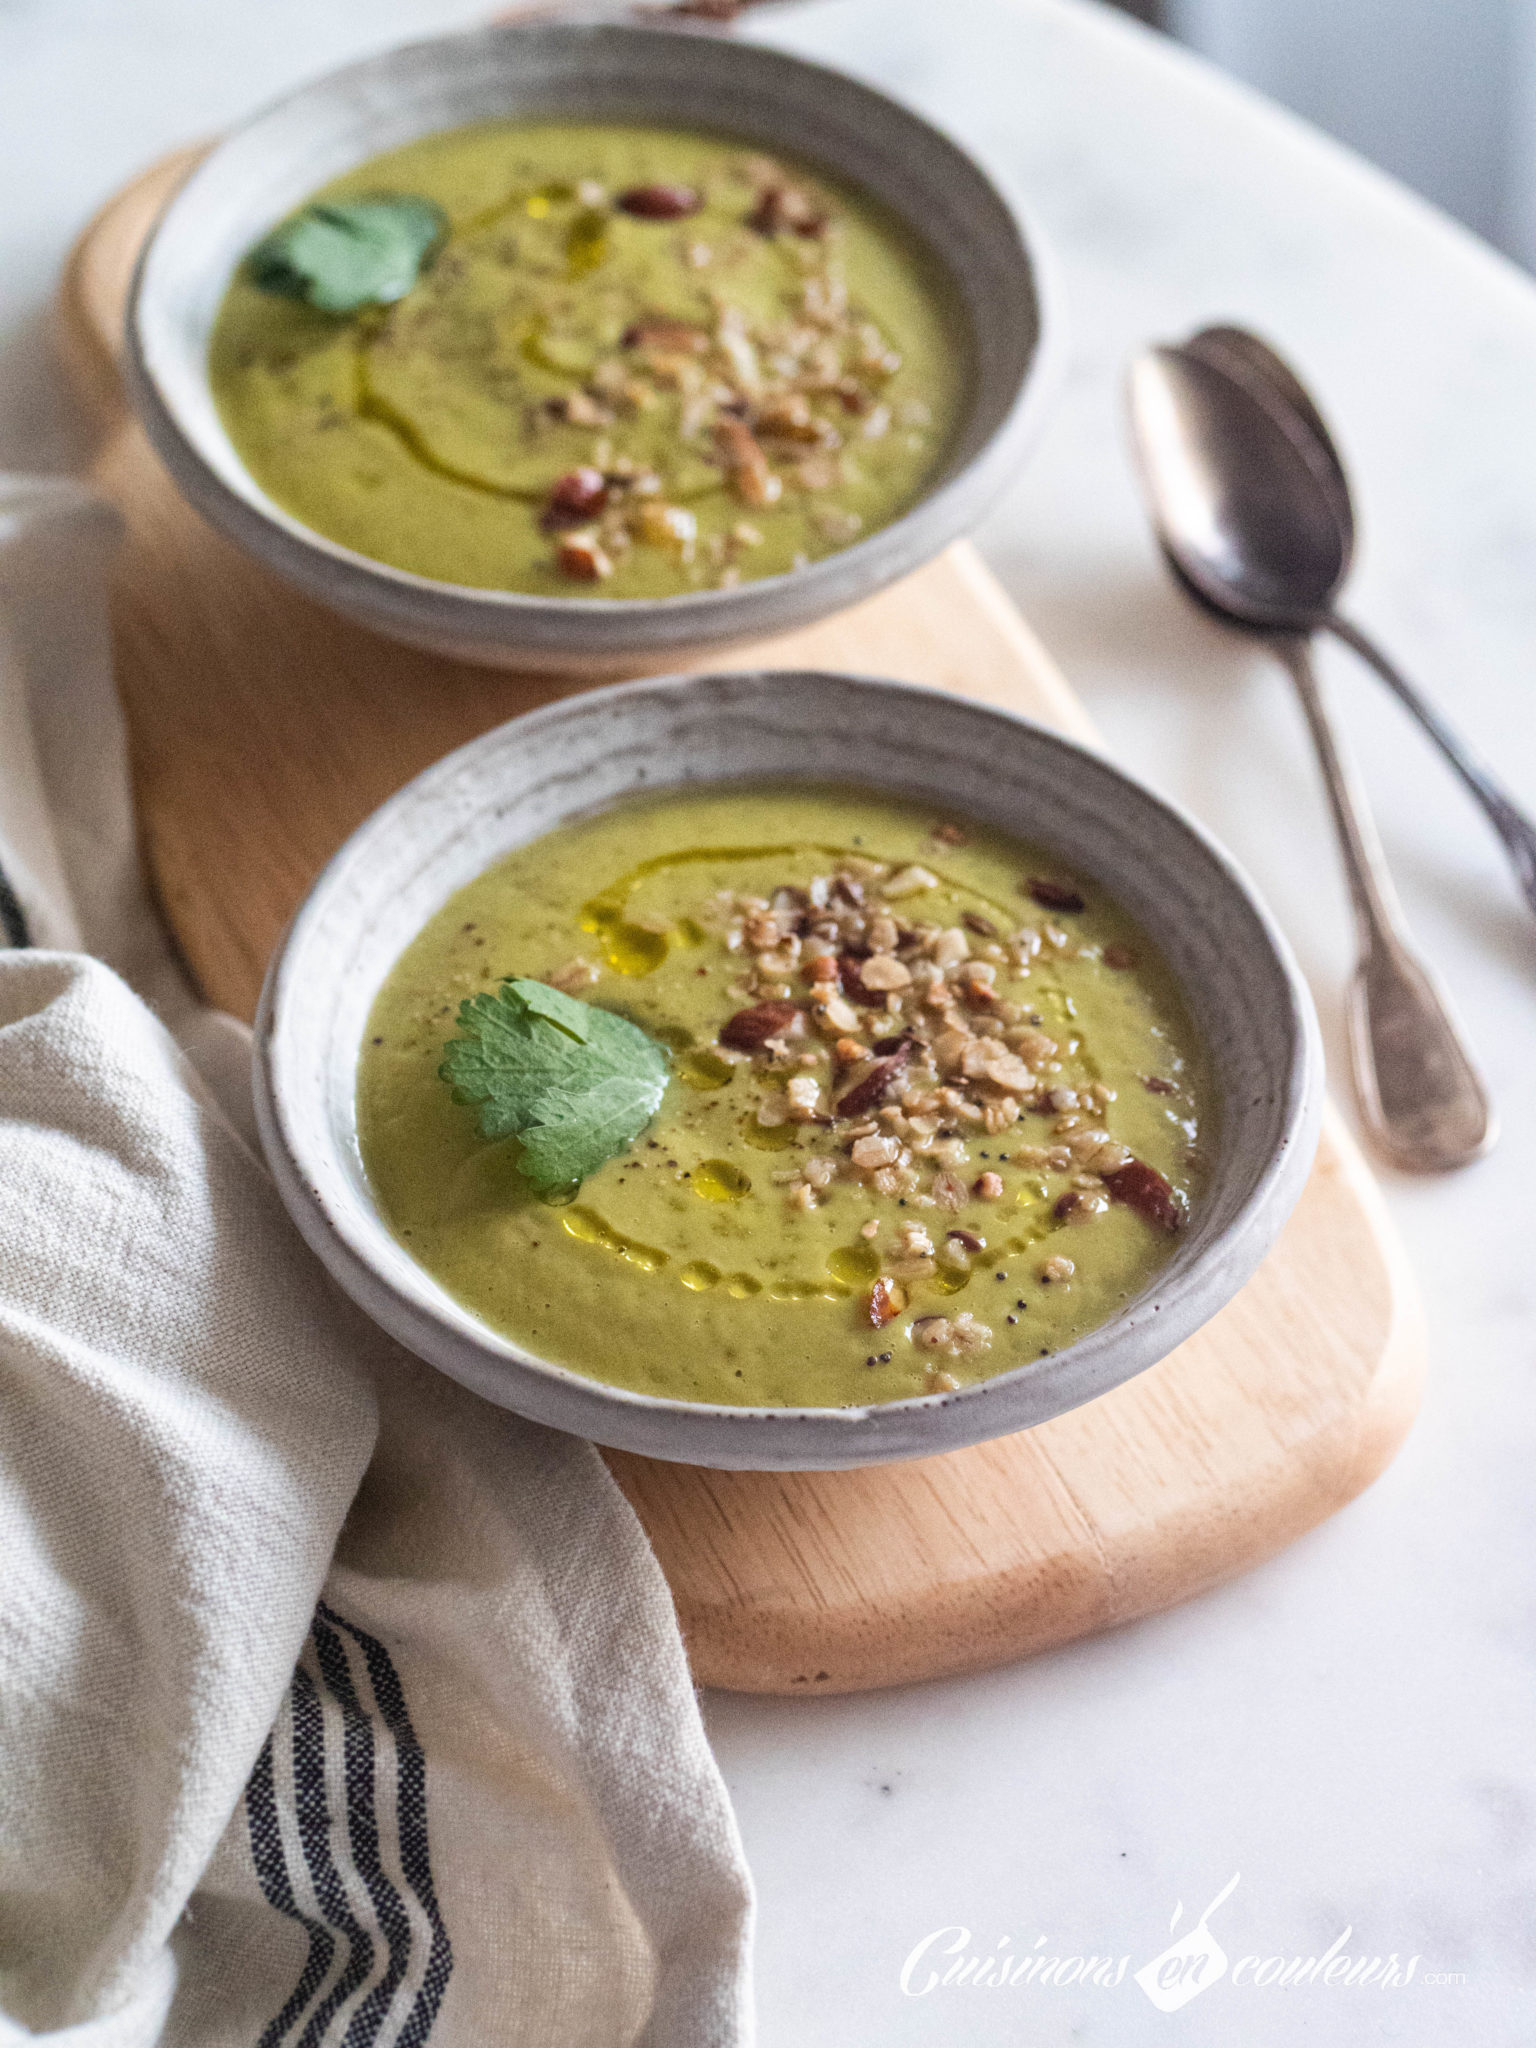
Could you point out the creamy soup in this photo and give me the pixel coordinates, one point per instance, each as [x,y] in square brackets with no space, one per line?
[636,362]
[930,1106]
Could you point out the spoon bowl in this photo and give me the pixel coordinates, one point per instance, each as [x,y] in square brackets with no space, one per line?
[1238,505]
[1248,359]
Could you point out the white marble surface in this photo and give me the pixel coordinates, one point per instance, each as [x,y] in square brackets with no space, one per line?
[1352,1728]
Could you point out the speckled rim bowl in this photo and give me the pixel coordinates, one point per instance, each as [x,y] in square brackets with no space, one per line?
[275,160]
[518,782]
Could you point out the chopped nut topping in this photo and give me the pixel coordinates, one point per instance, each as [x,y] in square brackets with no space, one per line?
[672,337]
[887,1299]
[660,202]
[790,419]
[986,1059]
[909,881]
[581,558]
[882,971]
[1056,1269]
[668,526]
[957,1336]
[834,1015]
[750,1030]
[1149,1193]
[1098,1152]
[574,499]
[784,208]
[752,479]
[804,1095]
[913,1257]
[1055,895]
[575,974]
[865,1095]
[989,1187]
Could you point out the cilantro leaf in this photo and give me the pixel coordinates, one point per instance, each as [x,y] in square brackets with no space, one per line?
[572,1017]
[575,1083]
[344,254]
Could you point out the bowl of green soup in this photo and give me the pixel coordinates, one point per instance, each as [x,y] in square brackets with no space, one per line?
[751,1102]
[575,346]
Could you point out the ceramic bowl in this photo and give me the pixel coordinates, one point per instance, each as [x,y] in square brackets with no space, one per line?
[518,782]
[271,164]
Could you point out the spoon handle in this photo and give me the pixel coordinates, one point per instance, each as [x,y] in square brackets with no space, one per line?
[1516,830]
[1421,1095]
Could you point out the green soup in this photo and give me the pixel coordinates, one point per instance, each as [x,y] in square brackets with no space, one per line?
[933,1109]
[645,362]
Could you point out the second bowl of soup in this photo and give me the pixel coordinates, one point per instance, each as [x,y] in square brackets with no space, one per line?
[573,346]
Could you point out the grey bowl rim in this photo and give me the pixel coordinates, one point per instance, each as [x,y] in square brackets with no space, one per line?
[1216,1276]
[317,564]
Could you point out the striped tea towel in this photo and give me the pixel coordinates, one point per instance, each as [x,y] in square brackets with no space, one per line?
[337,1708]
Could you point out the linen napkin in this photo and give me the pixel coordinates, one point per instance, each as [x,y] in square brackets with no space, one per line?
[336,1706]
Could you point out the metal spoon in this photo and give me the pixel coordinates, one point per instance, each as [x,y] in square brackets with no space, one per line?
[1234,490]
[1251,361]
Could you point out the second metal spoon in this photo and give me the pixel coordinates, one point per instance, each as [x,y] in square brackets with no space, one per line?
[1249,359]
[1241,506]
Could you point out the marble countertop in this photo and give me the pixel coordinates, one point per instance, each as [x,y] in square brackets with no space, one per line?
[1351,1728]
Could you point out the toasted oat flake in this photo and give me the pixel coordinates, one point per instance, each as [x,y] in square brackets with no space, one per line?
[961,1336]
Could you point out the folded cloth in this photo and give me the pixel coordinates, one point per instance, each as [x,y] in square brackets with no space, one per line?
[335,1705]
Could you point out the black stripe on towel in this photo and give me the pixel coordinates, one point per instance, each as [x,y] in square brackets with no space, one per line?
[272,1871]
[415,1857]
[363,1835]
[324,1842]
[315,1838]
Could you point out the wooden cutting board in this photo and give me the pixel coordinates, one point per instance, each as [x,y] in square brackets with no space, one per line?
[263,729]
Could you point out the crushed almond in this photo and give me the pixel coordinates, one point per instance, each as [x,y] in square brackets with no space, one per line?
[575,974]
[908,881]
[883,972]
